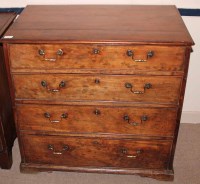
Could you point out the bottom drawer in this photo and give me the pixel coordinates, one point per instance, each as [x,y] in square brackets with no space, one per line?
[96,152]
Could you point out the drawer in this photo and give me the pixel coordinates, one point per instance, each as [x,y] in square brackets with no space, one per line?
[63,87]
[96,152]
[92,56]
[97,119]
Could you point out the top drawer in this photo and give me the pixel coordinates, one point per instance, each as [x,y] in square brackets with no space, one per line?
[101,58]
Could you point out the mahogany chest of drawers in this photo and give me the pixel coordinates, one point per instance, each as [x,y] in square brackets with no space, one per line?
[98,88]
[7,128]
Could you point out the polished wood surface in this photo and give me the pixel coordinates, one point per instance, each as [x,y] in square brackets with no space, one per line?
[26,58]
[7,128]
[158,25]
[5,21]
[84,87]
[76,106]
[97,119]
[96,152]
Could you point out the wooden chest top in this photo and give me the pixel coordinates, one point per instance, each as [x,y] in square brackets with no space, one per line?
[5,20]
[98,88]
[119,24]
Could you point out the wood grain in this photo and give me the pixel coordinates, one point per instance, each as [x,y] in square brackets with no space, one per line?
[5,20]
[158,174]
[110,88]
[96,152]
[98,83]
[136,24]
[81,56]
[85,119]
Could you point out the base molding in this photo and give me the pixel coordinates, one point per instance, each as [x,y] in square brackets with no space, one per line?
[164,175]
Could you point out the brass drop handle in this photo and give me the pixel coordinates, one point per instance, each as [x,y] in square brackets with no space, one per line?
[130,86]
[142,119]
[48,115]
[149,55]
[45,85]
[125,152]
[42,53]
[64,148]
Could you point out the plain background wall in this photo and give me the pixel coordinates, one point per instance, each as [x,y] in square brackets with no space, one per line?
[191,108]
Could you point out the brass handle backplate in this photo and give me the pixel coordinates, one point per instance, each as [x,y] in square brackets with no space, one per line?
[130,86]
[142,119]
[64,148]
[149,55]
[45,85]
[97,81]
[96,51]
[42,53]
[125,152]
[97,112]
[48,115]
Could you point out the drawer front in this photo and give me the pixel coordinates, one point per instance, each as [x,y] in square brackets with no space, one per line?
[96,152]
[161,89]
[88,56]
[97,119]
